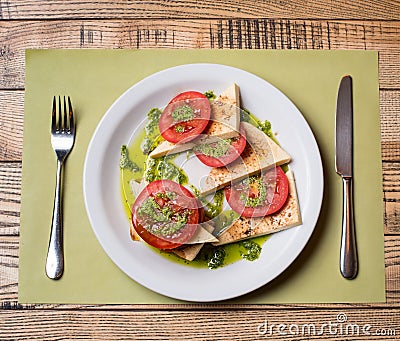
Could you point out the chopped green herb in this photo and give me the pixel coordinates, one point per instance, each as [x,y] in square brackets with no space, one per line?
[183,113]
[125,162]
[265,126]
[164,168]
[216,257]
[179,129]
[253,250]
[167,222]
[261,188]
[210,95]
[216,149]
[153,137]
[153,116]
[151,209]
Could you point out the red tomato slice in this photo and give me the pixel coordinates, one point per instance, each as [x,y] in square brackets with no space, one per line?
[165,214]
[269,200]
[236,148]
[185,117]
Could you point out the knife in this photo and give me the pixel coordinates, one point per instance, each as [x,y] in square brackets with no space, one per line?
[344,167]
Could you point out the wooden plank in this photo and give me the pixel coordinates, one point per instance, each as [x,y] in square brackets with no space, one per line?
[9,283]
[390,124]
[11,125]
[16,36]
[8,271]
[392,264]
[10,198]
[136,9]
[242,324]
[391,196]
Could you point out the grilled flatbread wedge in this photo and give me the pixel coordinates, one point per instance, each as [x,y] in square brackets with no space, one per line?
[189,252]
[288,216]
[260,153]
[224,123]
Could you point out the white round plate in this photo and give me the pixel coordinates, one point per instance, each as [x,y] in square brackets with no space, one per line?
[102,188]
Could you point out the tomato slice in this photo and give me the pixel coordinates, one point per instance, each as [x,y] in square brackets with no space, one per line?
[230,152]
[261,195]
[185,117]
[165,214]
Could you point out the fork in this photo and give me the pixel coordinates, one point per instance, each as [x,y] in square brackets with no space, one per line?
[62,141]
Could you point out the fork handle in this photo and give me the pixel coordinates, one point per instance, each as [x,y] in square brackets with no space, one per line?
[55,253]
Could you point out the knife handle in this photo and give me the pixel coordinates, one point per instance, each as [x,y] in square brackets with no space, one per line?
[348,248]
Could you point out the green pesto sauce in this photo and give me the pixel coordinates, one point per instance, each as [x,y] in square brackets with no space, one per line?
[216,149]
[170,220]
[152,136]
[164,167]
[127,174]
[214,208]
[210,95]
[213,257]
[144,142]
[183,113]
[254,180]
[125,162]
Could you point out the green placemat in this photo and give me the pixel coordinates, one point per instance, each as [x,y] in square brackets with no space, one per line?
[96,78]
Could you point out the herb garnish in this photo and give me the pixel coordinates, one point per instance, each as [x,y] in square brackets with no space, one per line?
[182,113]
[256,184]
[125,162]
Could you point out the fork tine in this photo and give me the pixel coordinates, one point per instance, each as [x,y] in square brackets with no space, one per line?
[65,124]
[71,117]
[59,123]
[53,115]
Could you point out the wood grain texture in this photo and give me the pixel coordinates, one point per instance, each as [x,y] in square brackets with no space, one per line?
[137,9]
[390,125]
[200,325]
[220,24]
[8,271]
[11,125]
[10,198]
[16,36]
[391,196]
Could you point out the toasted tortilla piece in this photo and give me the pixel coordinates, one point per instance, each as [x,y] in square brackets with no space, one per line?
[225,114]
[225,122]
[202,235]
[193,246]
[288,216]
[260,153]
[190,252]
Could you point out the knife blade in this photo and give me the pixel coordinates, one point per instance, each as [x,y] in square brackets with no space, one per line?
[344,167]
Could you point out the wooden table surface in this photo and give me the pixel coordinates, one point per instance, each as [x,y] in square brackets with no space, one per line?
[229,24]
